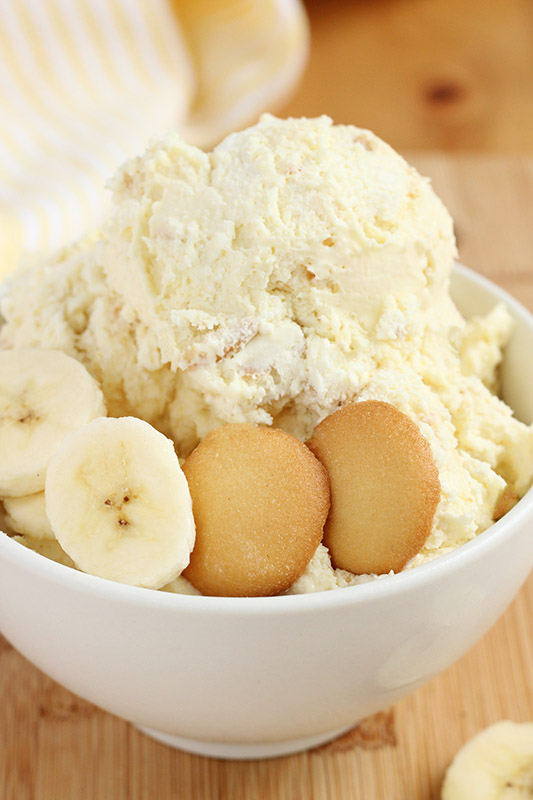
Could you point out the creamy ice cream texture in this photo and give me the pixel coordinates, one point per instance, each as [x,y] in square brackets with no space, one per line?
[296,267]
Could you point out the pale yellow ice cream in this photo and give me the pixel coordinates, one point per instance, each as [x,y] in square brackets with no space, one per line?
[297,266]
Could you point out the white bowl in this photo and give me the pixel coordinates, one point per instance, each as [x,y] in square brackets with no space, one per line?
[259,677]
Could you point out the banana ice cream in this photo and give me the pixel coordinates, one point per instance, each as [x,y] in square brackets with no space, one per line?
[295,268]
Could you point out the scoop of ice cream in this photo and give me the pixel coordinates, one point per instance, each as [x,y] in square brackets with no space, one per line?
[275,252]
[292,219]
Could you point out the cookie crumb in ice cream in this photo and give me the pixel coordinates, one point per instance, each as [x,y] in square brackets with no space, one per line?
[505,503]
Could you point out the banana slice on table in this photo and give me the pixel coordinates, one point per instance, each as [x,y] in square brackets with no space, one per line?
[119,503]
[497,764]
[27,515]
[44,394]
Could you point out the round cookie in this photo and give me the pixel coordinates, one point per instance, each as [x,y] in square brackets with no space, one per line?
[260,499]
[385,486]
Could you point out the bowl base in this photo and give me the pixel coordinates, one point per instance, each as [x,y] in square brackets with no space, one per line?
[244,750]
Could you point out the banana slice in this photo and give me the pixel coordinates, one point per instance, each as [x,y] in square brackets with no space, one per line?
[44,394]
[27,515]
[180,585]
[119,503]
[49,548]
[497,764]
[5,525]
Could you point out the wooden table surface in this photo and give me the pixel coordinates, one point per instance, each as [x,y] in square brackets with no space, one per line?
[441,74]
[54,746]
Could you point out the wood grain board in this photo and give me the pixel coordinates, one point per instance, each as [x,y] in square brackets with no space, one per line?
[441,74]
[54,746]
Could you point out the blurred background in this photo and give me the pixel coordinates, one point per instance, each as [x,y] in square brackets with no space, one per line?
[423,74]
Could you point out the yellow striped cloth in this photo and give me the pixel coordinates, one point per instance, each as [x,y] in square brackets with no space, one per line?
[85,84]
